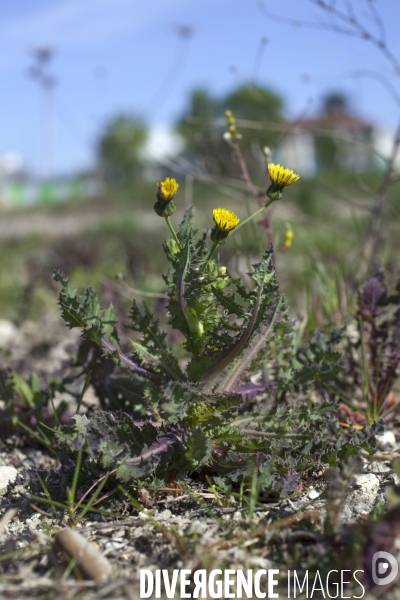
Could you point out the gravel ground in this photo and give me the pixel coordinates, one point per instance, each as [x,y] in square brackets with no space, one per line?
[181,527]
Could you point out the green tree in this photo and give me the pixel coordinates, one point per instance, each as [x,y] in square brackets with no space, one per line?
[196,124]
[120,148]
[203,124]
[201,135]
[257,105]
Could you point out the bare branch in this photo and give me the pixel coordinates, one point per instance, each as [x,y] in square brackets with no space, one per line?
[358,30]
[378,20]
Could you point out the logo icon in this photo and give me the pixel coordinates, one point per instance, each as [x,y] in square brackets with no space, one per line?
[384,568]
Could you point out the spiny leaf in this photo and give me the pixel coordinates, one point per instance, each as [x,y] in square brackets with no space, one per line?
[154,347]
[186,226]
[229,303]
[197,448]
[154,361]
[84,311]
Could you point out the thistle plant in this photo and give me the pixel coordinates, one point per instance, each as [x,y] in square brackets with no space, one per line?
[240,402]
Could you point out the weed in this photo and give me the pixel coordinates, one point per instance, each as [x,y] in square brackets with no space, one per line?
[206,414]
[373,351]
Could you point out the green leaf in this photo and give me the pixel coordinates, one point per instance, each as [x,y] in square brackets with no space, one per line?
[24,390]
[347,450]
[197,448]
[84,311]
[229,303]
[153,350]
[186,226]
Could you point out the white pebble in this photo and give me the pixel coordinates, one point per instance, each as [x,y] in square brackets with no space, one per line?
[368,481]
[313,494]
[7,474]
[8,333]
[386,441]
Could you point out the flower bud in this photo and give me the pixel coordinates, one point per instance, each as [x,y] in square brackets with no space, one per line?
[164,209]
[231,123]
[221,283]
[171,248]
[273,193]
[165,206]
[211,269]
[289,235]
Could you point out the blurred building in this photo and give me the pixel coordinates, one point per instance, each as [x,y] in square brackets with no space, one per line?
[18,188]
[333,139]
[162,146]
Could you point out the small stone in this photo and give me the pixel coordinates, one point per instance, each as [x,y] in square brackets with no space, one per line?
[199,527]
[143,516]
[165,514]
[368,481]
[8,333]
[120,533]
[392,477]
[386,441]
[313,494]
[114,545]
[7,475]
[378,466]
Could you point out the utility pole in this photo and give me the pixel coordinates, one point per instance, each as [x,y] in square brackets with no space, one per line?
[40,73]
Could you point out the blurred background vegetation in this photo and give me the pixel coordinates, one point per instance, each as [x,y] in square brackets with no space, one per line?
[99,224]
[115,230]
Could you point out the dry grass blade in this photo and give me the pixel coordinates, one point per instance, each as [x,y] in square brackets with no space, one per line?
[6,518]
[285,522]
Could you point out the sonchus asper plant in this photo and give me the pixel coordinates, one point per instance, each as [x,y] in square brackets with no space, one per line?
[207,414]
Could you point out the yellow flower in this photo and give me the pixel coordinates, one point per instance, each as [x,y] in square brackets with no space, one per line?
[225,219]
[165,205]
[281,177]
[167,189]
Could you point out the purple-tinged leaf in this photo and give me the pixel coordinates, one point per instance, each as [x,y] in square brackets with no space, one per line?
[171,438]
[374,295]
[251,389]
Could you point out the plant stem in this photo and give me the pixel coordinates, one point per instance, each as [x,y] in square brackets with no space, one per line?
[214,247]
[258,212]
[172,230]
[242,163]
[270,237]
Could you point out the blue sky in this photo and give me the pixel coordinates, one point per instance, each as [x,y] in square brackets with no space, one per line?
[127,55]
